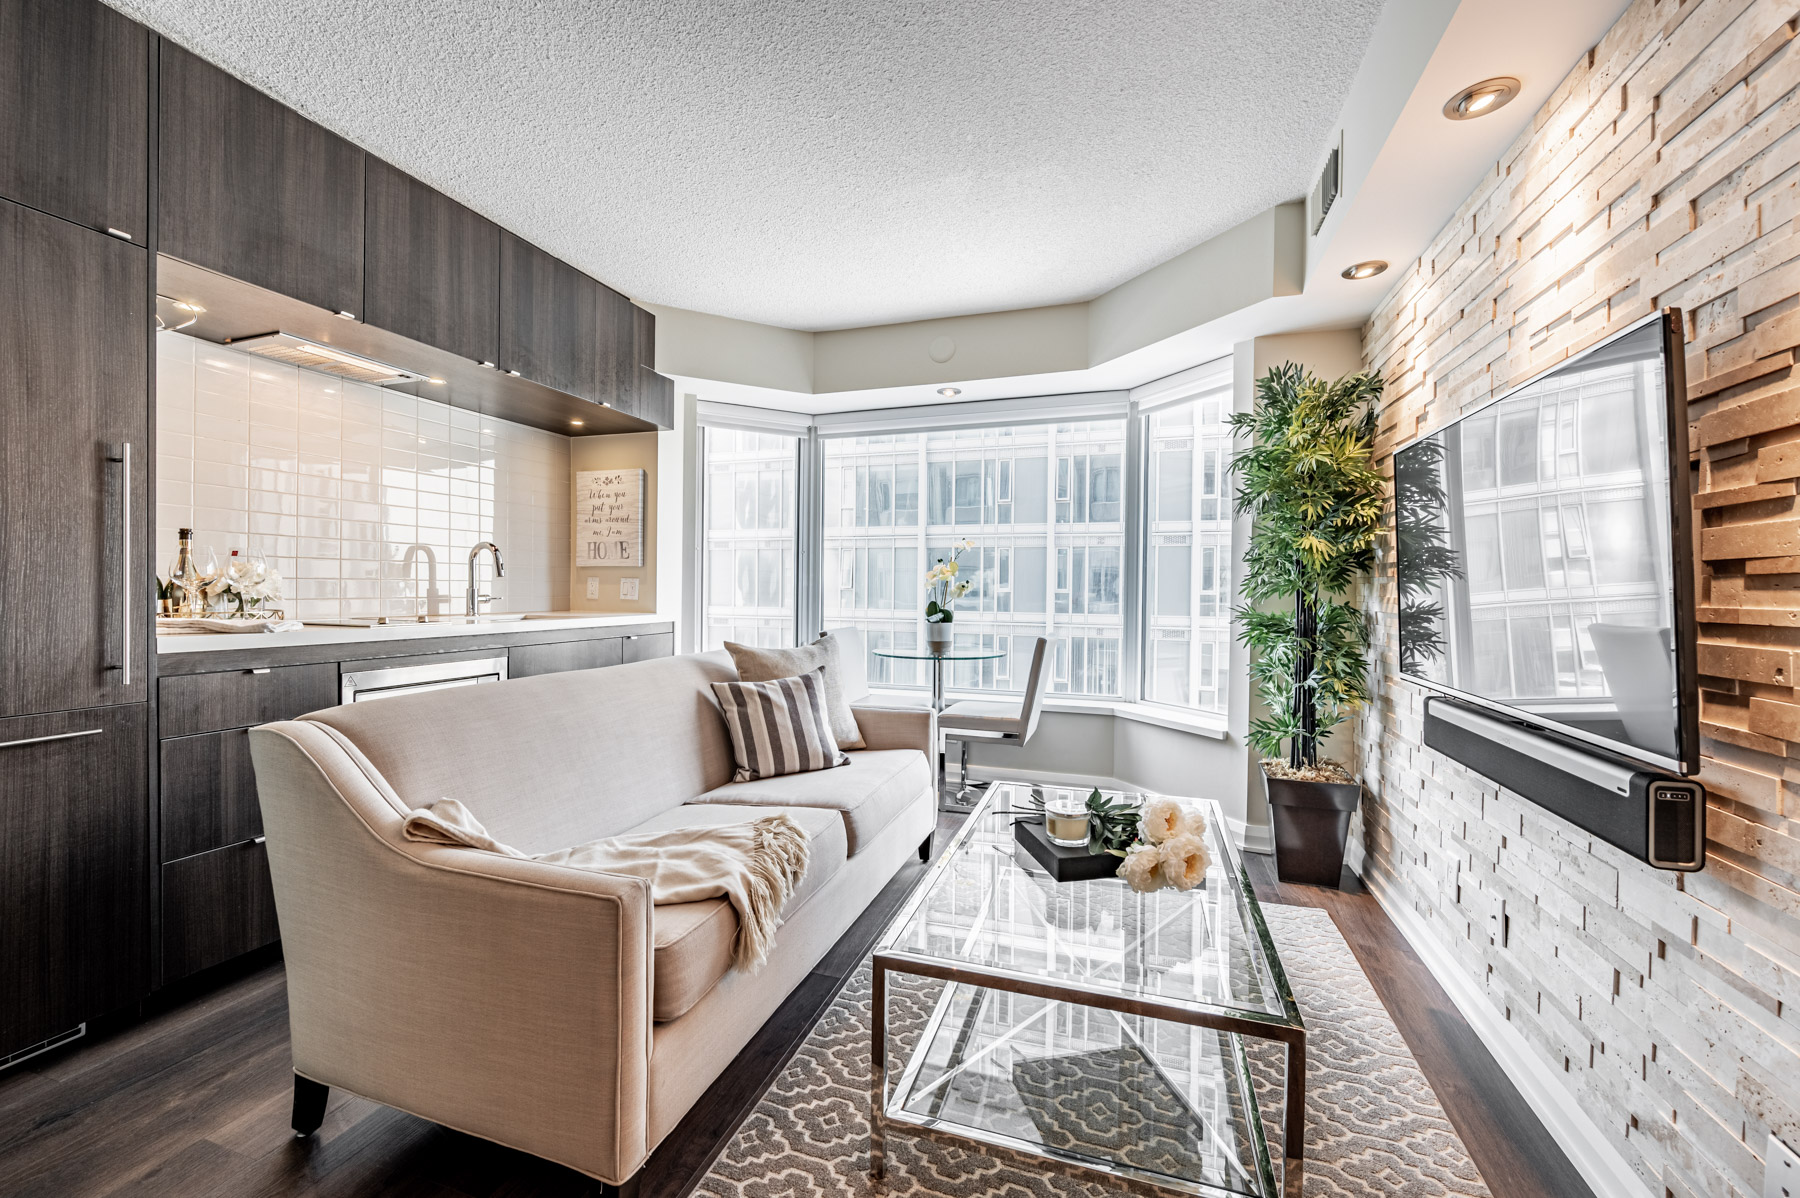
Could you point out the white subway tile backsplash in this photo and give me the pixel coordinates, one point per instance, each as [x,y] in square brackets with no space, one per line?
[333,481]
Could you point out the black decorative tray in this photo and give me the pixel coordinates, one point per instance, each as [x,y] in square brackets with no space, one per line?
[1062,864]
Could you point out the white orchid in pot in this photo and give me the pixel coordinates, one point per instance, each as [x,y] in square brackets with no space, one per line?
[942,589]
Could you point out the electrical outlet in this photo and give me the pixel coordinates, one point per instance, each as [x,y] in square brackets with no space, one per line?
[1781,1170]
[593,588]
[628,588]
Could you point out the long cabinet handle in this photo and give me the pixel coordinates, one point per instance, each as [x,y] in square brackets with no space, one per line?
[124,459]
[38,740]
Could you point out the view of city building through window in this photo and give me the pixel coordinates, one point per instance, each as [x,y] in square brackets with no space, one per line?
[1187,558]
[1043,509]
[1042,505]
[751,497]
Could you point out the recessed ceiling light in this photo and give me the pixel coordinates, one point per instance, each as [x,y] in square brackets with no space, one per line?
[949,392]
[439,382]
[577,423]
[1489,95]
[1365,270]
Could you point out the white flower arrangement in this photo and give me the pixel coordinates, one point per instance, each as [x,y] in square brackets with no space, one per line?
[1170,850]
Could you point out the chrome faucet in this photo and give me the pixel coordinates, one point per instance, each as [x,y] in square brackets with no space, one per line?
[475,600]
[409,562]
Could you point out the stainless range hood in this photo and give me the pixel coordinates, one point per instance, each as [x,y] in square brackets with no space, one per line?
[328,359]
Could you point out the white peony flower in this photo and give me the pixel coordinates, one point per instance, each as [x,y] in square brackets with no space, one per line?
[1161,819]
[1142,869]
[1182,861]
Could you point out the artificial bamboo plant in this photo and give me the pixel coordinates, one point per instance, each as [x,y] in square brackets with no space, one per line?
[1308,479]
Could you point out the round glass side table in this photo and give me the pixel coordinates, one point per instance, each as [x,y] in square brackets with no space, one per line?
[937,661]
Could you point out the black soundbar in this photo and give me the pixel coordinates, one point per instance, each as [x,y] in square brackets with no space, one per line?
[1658,818]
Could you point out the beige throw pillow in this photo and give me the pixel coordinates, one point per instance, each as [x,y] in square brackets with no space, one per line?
[766,665]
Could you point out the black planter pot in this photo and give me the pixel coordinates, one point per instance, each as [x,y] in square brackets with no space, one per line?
[1312,826]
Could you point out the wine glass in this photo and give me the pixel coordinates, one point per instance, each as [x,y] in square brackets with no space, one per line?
[206,572]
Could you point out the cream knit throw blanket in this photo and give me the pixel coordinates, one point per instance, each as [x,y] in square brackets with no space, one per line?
[755,865]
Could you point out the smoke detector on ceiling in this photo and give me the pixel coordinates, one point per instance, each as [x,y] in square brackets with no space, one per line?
[328,359]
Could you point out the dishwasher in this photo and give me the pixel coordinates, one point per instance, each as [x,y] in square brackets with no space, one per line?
[364,685]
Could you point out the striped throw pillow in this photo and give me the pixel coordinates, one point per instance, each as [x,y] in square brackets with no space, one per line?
[779,727]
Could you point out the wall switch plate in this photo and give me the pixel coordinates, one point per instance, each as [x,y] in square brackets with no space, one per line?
[1781,1170]
[593,588]
[628,588]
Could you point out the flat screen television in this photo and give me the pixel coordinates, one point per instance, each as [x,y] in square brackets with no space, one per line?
[1543,553]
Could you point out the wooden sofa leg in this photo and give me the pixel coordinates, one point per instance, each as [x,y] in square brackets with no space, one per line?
[309,1105]
[628,1190]
[925,849]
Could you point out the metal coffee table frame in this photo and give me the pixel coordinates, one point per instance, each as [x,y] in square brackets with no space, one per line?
[1287,1028]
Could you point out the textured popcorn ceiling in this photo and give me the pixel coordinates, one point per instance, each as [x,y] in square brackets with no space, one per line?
[825,164]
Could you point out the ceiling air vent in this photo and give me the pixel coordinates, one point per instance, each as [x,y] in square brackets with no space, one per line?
[1325,191]
[328,359]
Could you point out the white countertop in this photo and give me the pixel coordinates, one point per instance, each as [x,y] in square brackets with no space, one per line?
[325,634]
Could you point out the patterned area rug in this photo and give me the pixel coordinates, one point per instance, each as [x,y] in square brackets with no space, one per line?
[1374,1126]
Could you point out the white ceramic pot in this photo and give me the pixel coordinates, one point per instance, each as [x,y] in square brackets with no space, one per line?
[937,636]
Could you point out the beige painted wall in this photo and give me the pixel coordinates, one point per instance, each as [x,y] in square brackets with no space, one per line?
[620,451]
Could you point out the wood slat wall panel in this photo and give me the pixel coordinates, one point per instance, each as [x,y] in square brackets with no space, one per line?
[1664,171]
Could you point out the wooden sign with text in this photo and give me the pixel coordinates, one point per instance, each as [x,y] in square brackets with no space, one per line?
[609,518]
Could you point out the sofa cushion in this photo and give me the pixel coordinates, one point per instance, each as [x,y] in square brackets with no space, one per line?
[869,792]
[826,653]
[779,727]
[555,760]
[693,941]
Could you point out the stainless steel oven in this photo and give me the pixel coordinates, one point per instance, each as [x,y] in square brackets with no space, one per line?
[364,685]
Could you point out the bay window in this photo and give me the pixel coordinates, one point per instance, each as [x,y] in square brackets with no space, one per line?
[1098,524]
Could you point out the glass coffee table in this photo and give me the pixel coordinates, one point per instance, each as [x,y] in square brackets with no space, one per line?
[1081,1022]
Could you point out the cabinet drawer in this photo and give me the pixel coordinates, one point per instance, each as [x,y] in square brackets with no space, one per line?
[525,660]
[647,645]
[208,793]
[191,703]
[216,906]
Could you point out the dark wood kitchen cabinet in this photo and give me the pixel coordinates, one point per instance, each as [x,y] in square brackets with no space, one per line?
[75,105]
[431,267]
[74,414]
[549,312]
[653,394]
[250,188]
[217,902]
[74,890]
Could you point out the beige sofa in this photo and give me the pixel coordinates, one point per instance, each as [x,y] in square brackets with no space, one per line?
[546,1008]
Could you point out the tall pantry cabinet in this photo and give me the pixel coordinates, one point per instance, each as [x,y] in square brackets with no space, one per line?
[75,590]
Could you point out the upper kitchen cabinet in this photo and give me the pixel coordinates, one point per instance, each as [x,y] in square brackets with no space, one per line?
[655,393]
[75,104]
[549,312]
[74,414]
[252,189]
[431,268]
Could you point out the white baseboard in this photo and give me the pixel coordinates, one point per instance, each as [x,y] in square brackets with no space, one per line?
[1252,838]
[1561,1113]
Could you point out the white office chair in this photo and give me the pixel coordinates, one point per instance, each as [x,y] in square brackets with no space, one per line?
[986,719]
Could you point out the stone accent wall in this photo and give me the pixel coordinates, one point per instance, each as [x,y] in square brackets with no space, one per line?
[1662,172]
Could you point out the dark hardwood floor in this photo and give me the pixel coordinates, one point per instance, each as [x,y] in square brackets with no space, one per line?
[191,1099]
[1514,1152]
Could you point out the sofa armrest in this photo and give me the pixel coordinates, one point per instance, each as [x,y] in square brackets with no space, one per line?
[502,997]
[891,728]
